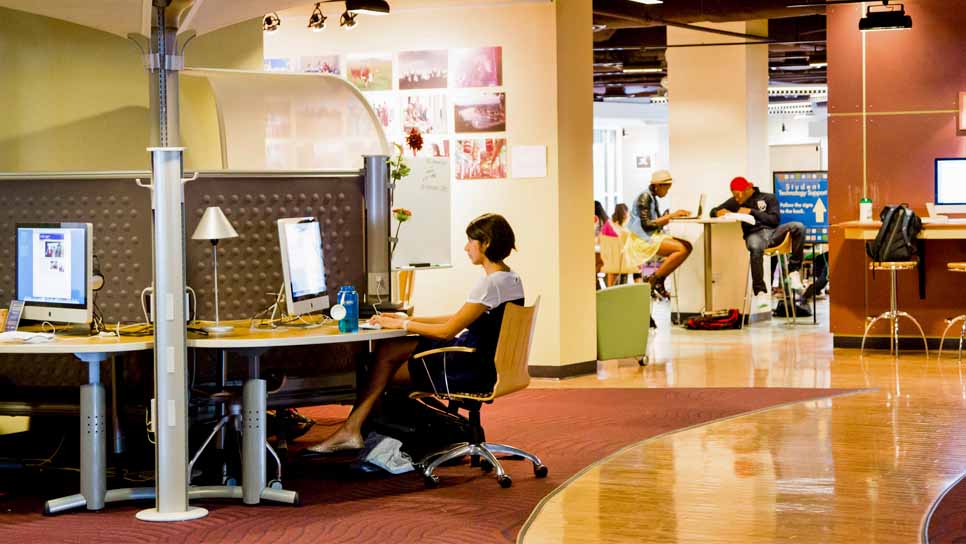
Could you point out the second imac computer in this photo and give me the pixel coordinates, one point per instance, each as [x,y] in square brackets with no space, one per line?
[303,266]
[54,264]
[951,185]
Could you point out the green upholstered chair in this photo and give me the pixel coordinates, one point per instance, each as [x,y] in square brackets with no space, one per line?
[623,318]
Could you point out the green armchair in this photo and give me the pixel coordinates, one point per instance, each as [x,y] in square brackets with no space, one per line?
[623,322]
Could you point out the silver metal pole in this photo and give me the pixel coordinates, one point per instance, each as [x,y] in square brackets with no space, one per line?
[214,249]
[93,484]
[170,342]
[377,228]
[254,460]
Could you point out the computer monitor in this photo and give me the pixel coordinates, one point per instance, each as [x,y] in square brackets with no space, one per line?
[950,182]
[303,266]
[53,264]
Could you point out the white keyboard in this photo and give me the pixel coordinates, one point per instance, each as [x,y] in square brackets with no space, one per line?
[20,336]
[369,327]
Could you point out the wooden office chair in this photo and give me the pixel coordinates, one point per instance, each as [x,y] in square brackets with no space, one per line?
[616,261]
[512,352]
[407,282]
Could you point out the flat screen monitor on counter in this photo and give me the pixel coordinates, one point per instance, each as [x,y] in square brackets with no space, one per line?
[950,175]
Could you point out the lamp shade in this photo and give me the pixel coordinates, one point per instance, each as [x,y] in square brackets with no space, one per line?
[367,7]
[214,226]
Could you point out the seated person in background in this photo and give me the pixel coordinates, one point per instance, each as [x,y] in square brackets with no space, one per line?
[619,218]
[615,228]
[647,237]
[765,233]
[477,324]
[600,219]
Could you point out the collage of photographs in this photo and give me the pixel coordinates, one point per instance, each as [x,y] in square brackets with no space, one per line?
[454,98]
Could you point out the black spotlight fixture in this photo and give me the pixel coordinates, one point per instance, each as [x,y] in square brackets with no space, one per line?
[885,17]
[367,7]
[317,19]
[271,22]
[348,20]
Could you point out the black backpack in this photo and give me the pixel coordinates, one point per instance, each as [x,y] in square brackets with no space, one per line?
[896,240]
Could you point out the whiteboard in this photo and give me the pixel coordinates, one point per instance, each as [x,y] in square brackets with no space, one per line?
[426,191]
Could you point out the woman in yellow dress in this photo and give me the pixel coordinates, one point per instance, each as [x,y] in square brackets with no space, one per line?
[648,239]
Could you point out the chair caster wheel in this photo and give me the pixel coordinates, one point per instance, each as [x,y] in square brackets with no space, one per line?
[642,361]
[540,471]
[505,481]
[485,466]
[275,484]
[431,481]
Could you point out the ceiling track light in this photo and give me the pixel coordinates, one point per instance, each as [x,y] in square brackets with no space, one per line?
[885,17]
[271,22]
[367,7]
[348,20]
[317,19]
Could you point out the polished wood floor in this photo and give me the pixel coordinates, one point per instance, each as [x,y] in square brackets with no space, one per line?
[864,467]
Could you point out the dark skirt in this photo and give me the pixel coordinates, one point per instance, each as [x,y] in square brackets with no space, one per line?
[464,372]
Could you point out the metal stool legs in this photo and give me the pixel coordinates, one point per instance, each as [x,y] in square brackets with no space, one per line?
[787,292]
[962,334]
[893,316]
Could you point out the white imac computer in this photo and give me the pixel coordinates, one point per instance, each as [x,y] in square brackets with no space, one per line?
[951,185]
[303,267]
[54,264]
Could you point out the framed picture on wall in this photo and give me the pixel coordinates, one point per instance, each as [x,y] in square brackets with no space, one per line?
[370,72]
[476,67]
[423,70]
[644,161]
[962,111]
[480,113]
[320,64]
[425,112]
[483,158]
[385,106]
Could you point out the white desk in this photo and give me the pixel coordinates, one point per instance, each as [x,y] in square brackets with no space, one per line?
[707,222]
[253,344]
[93,450]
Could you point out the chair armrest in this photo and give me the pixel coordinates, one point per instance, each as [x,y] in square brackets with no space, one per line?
[451,349]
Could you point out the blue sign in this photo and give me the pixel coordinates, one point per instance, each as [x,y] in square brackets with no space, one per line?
[803,197]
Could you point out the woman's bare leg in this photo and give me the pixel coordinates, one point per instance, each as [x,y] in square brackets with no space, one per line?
[390,356]
[675,251]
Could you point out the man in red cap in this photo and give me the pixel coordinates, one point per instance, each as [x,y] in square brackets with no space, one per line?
[765,233]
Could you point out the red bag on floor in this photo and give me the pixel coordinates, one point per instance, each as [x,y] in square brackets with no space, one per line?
[716,321]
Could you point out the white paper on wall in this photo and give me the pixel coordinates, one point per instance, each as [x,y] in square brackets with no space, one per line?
[528,161]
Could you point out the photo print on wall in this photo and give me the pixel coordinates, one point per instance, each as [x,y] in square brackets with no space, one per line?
[425,112]
[320,64]
[483,158]
[423,70]
[480,113]
[370,72]
[476,67]
[386,108]
[277,65]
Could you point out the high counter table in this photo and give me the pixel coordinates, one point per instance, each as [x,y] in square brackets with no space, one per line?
[253,343]
[954,229]
[707,222]
[93,448]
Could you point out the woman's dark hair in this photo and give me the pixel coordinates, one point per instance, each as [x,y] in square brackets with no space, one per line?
[620,213]
[494,233]
[599,212]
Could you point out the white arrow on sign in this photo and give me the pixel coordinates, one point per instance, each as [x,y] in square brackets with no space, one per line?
[820,210]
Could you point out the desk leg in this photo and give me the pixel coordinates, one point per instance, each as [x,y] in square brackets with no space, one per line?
[93,450]
[708,278]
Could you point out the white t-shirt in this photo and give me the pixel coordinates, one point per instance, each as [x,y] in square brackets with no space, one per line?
[497,288]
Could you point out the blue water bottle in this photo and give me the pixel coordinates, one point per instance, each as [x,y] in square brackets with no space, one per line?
[349,299]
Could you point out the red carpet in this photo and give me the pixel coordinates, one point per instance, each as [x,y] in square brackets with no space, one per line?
[568,429]
[948,522]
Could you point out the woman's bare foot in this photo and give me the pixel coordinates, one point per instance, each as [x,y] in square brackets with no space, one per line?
[341,440]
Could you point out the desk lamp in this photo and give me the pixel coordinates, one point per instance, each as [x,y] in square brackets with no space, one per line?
[214,226]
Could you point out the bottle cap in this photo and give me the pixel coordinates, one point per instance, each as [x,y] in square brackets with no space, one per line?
[865,201]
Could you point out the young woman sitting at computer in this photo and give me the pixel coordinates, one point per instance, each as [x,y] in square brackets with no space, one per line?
[489,241]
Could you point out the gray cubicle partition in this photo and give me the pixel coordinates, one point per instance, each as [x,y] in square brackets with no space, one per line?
[249,265]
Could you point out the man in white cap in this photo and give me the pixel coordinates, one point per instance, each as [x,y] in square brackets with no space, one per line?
[647,237]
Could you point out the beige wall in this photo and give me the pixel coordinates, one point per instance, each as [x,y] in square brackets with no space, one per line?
[548,83]
[718,129]
[75,98]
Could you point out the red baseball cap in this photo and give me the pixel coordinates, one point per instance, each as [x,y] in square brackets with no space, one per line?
[740,184]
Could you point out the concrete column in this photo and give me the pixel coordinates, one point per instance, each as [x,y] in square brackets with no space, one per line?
[718,129]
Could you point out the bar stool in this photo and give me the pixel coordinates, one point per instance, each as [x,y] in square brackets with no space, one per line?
[782,251]
[894,313]
[954,267]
